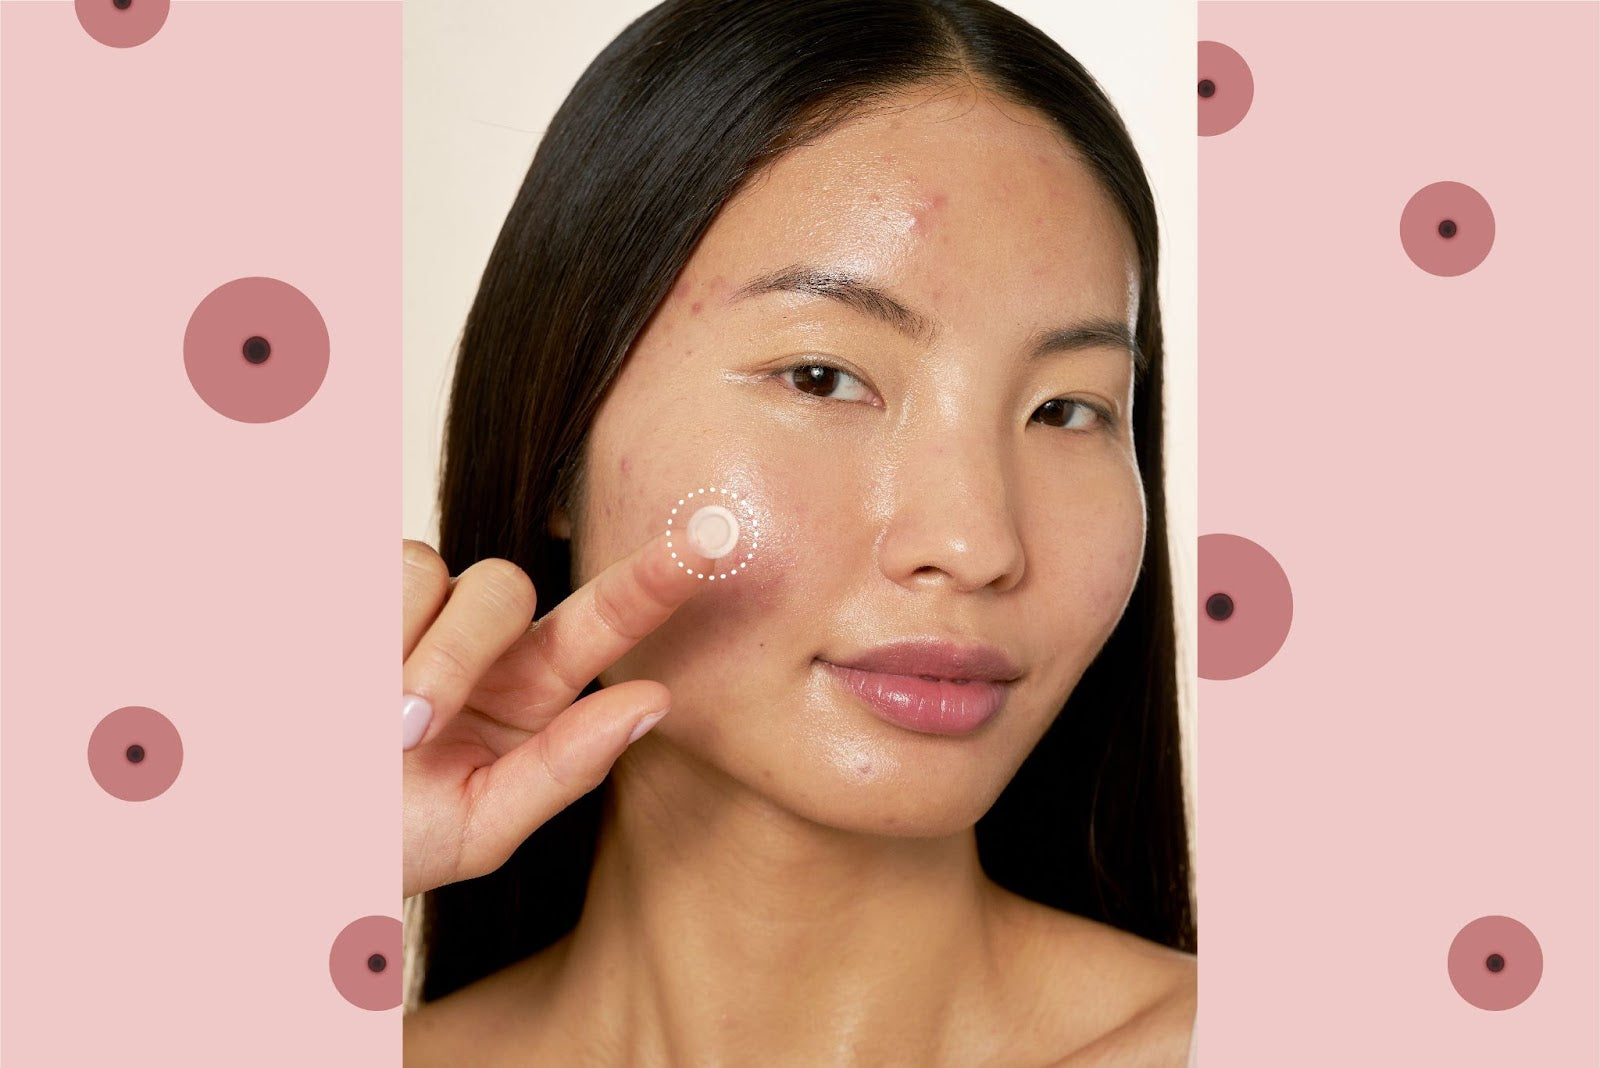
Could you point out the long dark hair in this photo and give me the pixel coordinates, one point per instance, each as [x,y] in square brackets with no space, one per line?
[674,116]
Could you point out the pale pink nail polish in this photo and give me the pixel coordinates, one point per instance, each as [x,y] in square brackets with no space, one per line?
[415,714]
[645,724]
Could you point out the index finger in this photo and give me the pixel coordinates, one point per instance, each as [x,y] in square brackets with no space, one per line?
[549,666]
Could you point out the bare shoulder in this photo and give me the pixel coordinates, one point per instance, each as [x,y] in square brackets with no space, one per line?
[469,1025]
[1118,999]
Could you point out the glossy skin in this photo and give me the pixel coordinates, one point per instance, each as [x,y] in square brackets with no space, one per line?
[771,817]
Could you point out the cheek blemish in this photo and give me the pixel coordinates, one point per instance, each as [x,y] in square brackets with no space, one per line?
[716,523]
[695,308]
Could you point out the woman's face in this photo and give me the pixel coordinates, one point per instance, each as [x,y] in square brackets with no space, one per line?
[946,479]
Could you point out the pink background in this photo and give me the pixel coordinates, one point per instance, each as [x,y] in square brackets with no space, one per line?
[1419,454]
[239,578]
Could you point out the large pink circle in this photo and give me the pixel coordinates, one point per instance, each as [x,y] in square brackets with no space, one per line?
[296,360]
[362,944]
[146,772]
[1232,85]
[121,27]
[1516,952]
[1471,228]
[1262,606]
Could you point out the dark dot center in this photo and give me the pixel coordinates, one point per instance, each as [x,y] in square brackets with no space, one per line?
[1447,228]
[1219,606]
[1495,962]
[376,962]
[135,753]
[121,5]
[1207,87]
[256,349]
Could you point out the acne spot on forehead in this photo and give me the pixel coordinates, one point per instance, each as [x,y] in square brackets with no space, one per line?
[927,211]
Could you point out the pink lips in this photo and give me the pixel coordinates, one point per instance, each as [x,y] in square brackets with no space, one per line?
[935,687]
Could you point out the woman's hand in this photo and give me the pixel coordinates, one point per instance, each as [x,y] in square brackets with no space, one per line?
[505,747]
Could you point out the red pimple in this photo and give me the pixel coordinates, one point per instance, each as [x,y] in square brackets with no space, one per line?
[694,309]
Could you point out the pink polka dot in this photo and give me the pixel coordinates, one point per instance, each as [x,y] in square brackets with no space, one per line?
[1495,962]
[1226,88]
[121,23]
[135,753]
[366,964]
[1246,606]
[256,350]
[1447,228]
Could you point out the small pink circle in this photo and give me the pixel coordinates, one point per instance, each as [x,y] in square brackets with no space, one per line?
[1495,962]
[365,962]
[1226,88]
[256,349]
[135,753]
[1447,228]
[121,23]
[1246,606]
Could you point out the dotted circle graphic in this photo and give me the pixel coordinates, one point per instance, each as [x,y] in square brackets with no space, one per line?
[365,962]
[1246,606]
[135,753]
[256,349]
[121,23]
[1495,962]
[1226,88]
[749,532]
[1447,228]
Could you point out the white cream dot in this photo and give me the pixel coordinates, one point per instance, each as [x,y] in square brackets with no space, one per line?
[680,563]
[675,556]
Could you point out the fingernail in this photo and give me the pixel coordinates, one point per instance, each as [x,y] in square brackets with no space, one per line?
[415,715]
[645,724]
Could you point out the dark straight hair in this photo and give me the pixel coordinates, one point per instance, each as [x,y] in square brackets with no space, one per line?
[689,102]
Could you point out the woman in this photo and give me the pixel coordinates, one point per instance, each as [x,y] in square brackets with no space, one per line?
[880,277]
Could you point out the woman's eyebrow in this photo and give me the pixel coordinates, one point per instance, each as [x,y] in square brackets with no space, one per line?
[876,303]
[853,292]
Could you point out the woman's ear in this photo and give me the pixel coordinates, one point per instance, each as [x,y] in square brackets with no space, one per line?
[561,525]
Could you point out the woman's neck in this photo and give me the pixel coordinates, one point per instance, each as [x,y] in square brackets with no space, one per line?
[718,928]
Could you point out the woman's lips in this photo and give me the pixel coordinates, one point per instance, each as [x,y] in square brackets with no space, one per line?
[933,706]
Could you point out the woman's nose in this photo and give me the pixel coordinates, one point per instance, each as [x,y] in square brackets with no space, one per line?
[948,518]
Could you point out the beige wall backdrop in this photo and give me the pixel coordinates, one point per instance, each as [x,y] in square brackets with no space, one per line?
[484,77]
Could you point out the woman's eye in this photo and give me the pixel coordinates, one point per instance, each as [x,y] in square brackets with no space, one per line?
[820,380]
[1062,410]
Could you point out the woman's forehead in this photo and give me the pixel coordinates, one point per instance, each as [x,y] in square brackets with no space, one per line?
[934,194]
